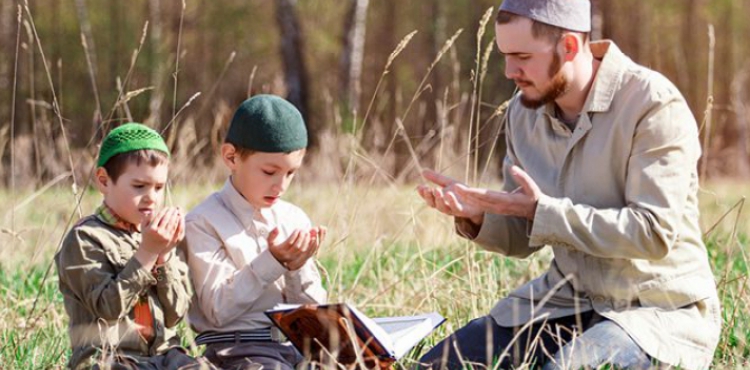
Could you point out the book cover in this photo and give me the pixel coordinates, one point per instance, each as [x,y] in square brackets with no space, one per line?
[341,333]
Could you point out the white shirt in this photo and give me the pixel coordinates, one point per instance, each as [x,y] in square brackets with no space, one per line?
[234,275]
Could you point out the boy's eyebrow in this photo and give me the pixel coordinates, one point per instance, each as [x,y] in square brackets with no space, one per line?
[142,181]
[516,53]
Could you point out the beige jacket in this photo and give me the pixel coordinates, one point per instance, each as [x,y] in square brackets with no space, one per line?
[620,214]
[235,276]
[101,282]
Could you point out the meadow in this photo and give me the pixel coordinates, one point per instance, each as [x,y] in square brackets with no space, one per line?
[386,253]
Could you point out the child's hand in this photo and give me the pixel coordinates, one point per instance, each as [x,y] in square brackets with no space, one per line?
[317,235]
[298,248]
[162,231]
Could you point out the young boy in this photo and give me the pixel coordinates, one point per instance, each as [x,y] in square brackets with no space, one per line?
[123,287]
[248,250]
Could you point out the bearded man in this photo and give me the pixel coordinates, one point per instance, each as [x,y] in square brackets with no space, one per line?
[601,168]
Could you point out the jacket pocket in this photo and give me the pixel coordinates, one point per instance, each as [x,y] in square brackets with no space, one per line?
[677,292]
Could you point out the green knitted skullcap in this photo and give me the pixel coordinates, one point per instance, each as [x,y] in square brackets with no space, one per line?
[267,123]
[130,137]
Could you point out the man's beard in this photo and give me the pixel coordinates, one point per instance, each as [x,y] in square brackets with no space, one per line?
[558,86]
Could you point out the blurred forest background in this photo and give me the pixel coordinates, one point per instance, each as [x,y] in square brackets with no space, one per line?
[70,69]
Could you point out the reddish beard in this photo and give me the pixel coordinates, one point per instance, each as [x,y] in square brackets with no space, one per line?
[558,86]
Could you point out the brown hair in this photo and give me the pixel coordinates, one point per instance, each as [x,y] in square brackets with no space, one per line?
[116,166]
[240,150]
[538,29]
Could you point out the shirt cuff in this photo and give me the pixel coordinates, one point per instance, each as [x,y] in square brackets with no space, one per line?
[466,228]
[547,215]
[135,276]
[267,267]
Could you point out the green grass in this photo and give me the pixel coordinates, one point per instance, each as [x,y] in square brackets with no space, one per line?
[384,259]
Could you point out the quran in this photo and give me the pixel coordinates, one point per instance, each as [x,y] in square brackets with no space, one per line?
[340,333]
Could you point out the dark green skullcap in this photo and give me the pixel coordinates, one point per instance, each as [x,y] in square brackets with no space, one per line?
[267,123]
[130,137]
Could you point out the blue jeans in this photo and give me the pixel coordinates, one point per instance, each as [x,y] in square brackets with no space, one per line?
[574,342]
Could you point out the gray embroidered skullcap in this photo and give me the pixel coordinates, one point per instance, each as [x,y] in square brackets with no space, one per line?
[572,15]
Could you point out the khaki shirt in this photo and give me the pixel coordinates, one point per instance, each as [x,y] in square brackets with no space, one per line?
[620,213]
[101,282]
[234,274]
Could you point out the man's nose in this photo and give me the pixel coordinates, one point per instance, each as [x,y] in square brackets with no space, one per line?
[511,70]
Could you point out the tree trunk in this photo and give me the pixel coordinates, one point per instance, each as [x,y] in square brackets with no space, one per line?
[8,14]
[352,56]
[158,64]
[694,30]
[597,19]
[295,73]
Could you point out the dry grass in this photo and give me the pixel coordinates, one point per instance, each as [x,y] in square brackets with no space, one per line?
[386,253]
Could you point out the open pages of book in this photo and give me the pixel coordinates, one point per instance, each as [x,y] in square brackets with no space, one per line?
[406,331]
[395,335]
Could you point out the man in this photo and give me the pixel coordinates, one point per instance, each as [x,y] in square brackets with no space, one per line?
[601,167]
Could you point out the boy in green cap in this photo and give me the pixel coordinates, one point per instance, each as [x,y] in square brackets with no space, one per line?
[248,250]
[123,287]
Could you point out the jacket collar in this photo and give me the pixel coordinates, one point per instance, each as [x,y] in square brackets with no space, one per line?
[105,214]
[609,76]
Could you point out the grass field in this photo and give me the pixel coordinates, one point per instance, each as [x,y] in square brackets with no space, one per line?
[386,254]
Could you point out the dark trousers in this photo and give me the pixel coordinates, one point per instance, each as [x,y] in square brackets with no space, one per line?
[253,356]
[584,341]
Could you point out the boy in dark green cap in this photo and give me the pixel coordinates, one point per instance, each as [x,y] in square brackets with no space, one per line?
[247,249]
[123,287]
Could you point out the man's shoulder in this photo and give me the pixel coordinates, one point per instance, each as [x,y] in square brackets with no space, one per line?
[650,83]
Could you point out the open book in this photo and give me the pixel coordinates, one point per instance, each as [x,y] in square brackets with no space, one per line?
[341,333]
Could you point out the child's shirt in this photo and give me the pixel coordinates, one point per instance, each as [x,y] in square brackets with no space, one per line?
[117,307]
[234,275]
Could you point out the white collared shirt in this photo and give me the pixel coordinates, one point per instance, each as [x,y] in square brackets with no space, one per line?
[234,275]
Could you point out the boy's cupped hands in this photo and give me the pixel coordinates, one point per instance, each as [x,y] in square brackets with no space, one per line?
[162,231]
[298,248]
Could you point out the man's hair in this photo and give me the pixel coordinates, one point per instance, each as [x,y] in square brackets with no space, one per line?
[116,165]
[538,29]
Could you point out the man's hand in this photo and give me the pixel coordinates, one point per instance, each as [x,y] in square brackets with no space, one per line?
[298,248]
[521,202]
[445,198]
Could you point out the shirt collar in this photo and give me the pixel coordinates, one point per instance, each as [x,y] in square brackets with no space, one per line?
[111,218]
[239,206]
[607,81]
[609,76]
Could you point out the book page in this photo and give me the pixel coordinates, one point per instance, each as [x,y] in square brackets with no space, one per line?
[407,331]
[381,335]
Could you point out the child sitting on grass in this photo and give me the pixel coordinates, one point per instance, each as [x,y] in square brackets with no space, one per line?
[123,287]
[247,249]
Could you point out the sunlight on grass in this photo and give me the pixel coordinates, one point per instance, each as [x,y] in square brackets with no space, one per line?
[386,253]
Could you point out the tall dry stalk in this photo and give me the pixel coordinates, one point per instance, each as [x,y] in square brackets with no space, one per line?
[475,92]
[171,135]
[122,85]
[420,89]
[12,132]
[709,102]
[55,103]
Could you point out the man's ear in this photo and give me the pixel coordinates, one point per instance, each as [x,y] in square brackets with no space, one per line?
[102,180]
[229,155]
[571,46]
